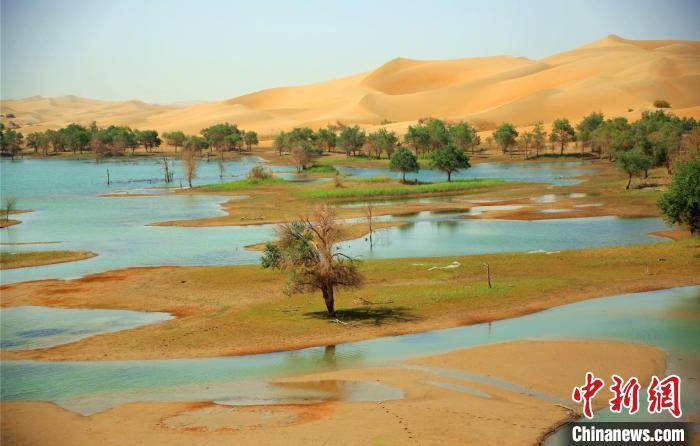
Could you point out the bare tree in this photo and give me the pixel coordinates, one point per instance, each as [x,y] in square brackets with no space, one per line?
[9,204]
[166,170]
[369,214]
[222,167]
[306,250]
[189,163]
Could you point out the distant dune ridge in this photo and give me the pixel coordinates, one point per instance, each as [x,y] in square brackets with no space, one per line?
[612,75]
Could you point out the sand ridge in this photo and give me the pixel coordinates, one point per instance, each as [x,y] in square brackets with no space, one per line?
[614,75]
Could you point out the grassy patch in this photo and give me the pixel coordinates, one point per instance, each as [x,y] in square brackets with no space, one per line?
[242,184]
[403,189]
[10,260]
[321,168]
[242,309]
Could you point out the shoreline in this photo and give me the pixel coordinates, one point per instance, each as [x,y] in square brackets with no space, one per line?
[29,259]
[470,410]
[253,324]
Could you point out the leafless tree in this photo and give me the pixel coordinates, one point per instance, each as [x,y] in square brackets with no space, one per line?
[9,204]
[189,163]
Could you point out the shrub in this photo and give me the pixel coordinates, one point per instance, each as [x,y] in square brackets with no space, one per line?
[259,173]
[662,103]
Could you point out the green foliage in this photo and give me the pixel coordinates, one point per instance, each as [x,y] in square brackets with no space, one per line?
[417,138]
[633,162]
[351,140]
[588,125]
[251,139]
[562,133]
[223,137]
[323,168]
[463,136]
[681,203]
[449,159]
[539,137]
[76,137]
[175,138]
[326,138]
[195,143]
[404,161]
[662,103]
[243,184]
[659,134]
[282,142]
[401,190]
[437,134]
[381,141]
[505,136]
[10,141]
[148,139]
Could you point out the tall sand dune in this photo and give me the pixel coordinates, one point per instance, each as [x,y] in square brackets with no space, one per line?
[617,76]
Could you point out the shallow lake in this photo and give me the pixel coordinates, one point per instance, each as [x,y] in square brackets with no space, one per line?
[70,214]
[557,173]
[32,327]
[666,318]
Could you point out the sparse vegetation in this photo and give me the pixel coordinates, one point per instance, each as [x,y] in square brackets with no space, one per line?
[662,103]
[259,174]
[9,204]
[306,250]
[243,184]
[388,191]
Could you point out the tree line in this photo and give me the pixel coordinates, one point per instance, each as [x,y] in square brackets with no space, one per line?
[656,139]
[117,140]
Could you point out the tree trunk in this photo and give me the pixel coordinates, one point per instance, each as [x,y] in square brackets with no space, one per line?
[562,149]
[629,181]
[328,298]
[403,177]
[449,177]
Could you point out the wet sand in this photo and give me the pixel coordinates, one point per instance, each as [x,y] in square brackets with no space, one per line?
[436,409]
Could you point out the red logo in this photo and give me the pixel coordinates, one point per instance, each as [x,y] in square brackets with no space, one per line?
[665,395]
[587,392]
[625,394]
[662,395]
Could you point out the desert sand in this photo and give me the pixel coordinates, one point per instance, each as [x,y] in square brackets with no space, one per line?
[436,409]
[617,76]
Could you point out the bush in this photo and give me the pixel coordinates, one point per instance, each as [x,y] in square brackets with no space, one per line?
[662,103]
[259,173]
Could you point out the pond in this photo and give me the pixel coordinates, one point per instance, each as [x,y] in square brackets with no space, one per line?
[70,213]
[556,173]
[428,234]
[666,318]
[31,327]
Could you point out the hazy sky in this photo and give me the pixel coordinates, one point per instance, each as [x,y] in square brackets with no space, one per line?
[172,50]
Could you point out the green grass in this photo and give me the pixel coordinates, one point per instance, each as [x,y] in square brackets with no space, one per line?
[321,168]
[399,190]
[342,160]
[371,180]
[242,184]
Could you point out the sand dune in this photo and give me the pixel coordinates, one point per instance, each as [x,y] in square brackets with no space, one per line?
[614,75]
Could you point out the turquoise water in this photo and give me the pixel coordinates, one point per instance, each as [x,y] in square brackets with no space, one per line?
[31,327]
[557,173]
[667,319]
[429,235]
[70,212]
